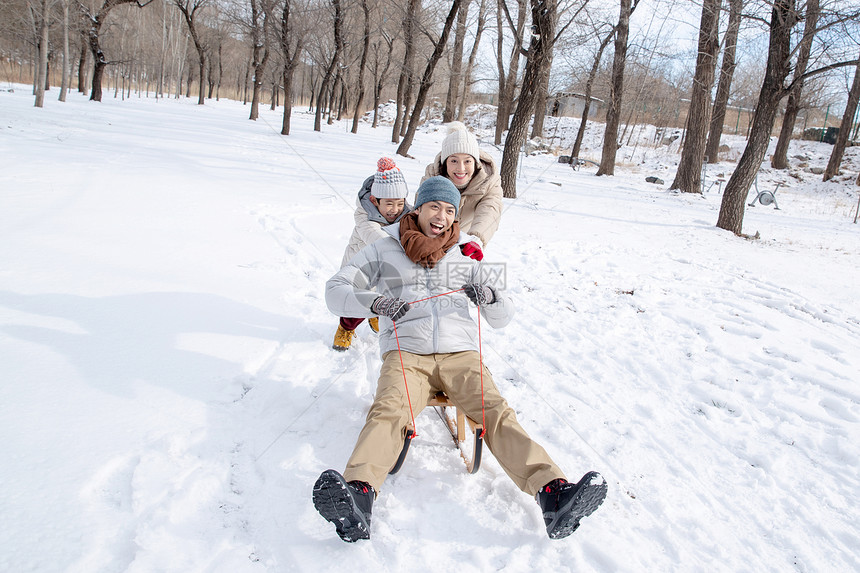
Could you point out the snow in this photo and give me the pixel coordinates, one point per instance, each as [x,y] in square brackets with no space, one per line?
[169,394]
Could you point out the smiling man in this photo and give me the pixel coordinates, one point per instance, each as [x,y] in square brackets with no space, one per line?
[410,270]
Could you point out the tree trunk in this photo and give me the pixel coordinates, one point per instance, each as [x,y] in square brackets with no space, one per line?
[329,73]
[727,72]
[95,23]
[792,106]
[783,19]
[359,101]
[67,60]
[539,55]
[260,37]
[589,85]
[467,77]
[688,178]
[508,81]
[427,80]
[82,64]
[404,83]
[291,61]
[42,73]
[379,77]
[456,64]
[189,10]
[540,101]
[613,112]
[844,128]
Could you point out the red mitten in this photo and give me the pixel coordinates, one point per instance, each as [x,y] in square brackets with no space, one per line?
[473,250]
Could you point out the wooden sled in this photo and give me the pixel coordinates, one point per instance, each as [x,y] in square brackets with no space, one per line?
[457,429]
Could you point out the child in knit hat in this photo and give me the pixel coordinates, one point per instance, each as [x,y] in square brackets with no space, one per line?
[381,201]
[474,173]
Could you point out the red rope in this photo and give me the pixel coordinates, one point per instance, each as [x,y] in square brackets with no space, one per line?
[435,295]
[480,364]
[403,369]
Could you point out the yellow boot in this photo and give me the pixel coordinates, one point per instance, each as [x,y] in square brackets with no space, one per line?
[374,324]
[342,338]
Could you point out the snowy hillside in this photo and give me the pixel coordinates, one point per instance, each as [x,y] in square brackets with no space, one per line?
[168,394]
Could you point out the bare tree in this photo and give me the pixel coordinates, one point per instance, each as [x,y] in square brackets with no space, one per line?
[427,80]
[189,9]
[404,83]
[467,76]
[365,48]
[67,63]
[783,18]
[380,70]
[688,178]
[792,106]
[95,22]
[541,96]
[456,64]
[589,85]
[727,71]
[508,80]
[328,77]
[844,127]
[291,39]
[260,52]
[42,73]
[616,88]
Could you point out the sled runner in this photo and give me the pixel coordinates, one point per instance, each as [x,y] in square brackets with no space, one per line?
[457,429]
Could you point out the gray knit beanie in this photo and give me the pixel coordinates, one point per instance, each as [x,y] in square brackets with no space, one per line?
[438,188]
[388,181]
[459,140]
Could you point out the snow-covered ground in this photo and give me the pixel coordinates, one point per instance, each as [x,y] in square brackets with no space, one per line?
[168,394]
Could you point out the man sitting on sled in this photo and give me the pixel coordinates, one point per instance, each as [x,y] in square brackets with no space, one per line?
[438,345]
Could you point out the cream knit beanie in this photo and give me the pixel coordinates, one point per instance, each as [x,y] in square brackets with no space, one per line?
[459,140]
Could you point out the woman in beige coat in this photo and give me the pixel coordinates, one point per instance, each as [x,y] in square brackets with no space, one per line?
[475,175]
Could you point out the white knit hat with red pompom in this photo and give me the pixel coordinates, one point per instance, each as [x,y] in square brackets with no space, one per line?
[388,181]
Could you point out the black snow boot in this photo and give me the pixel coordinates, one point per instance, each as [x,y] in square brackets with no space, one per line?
[564,504]
[347,505]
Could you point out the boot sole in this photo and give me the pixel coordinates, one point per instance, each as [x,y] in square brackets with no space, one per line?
[586,500]
[334,502]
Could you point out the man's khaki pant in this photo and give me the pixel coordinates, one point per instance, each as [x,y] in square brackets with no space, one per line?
[457,374]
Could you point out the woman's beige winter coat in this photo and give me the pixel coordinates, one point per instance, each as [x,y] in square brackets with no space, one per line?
[480,201]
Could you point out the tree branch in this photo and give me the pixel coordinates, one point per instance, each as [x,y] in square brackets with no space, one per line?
[818,71]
